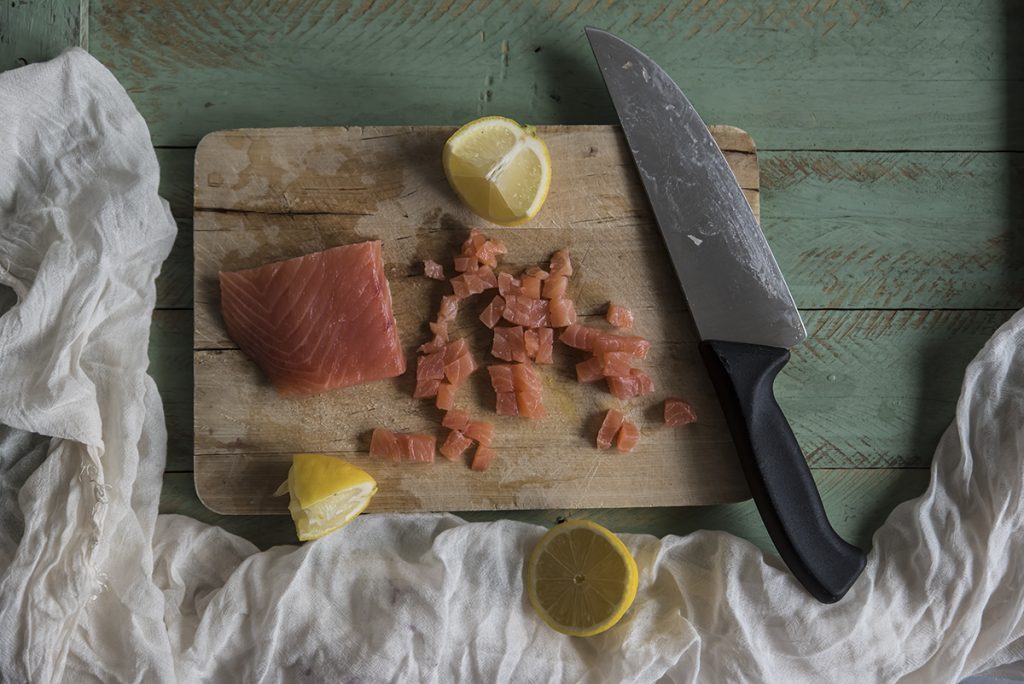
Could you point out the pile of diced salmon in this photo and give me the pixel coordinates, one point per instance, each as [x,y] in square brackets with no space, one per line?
[524,316]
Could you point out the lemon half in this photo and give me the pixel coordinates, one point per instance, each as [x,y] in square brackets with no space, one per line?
[499,169]
[325,493]
[581,578]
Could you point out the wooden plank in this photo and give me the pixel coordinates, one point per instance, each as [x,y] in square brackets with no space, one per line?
[176,178]
[170,364]
[40,30]
[878,230]
[796,75]
[857,502]
[262,195]
[174,284]
[868,389]
[850,229]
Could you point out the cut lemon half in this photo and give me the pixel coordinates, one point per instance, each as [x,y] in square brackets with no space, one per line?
[581,578]
[499,169]
[325,493]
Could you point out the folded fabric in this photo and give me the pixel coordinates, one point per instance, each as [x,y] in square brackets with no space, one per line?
[96,586]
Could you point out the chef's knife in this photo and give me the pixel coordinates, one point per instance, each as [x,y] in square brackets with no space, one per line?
[742,307]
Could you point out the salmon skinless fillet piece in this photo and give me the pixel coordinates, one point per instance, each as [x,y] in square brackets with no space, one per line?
[316,322]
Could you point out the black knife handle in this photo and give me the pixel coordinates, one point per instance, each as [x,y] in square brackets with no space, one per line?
[776,471]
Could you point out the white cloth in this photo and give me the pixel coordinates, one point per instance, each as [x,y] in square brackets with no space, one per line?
[97,587]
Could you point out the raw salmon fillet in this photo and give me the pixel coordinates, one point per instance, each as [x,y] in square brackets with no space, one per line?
[317,322]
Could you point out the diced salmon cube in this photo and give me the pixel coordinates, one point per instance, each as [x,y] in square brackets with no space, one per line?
[529,391]
[461,368]
[555,287]
[627,437]
[508,344]
[455,349]
[481,431]
[607,342]
[456,419]
[508,285]
[417,448]
[561,263]
[590,370]
[383,444]
[501,377]
[679,412]
[617,364]
[531,287]
[486,275]
[449,308]
[465,263]
[521,310]
[439,328]
[506,404]
[482,458]
[562,312]
[580,336]
[426,388]
[435,345]
[455,444]
[488,252]
[609,427]
[432,269]
[460,286]
[430,367]
[525,378]
[545,345]
[401,446]
[530,404]
[445,396]
[492,313]
[474,284]
[636,384]
[531,342]
[619,316]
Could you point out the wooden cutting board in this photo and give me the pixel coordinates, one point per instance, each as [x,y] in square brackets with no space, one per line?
[263,195]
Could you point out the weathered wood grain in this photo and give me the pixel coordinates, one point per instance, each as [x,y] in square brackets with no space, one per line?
[38,30]
[850,229]
[857,502]
[843,74]
[263,195]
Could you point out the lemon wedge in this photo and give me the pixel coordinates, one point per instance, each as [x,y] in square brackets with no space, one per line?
[499,169]
[581,578]
[325,493]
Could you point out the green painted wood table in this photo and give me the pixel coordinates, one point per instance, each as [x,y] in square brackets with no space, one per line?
[890,134]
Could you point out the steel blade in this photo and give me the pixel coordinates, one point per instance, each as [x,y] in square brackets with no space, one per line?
[733,285]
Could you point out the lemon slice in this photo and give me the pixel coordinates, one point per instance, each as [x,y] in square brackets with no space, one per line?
[325,493]
[499,169]
[581,578]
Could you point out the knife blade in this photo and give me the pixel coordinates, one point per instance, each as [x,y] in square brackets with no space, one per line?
[738,298]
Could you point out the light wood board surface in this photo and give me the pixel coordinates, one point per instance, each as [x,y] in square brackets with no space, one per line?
[266,195]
